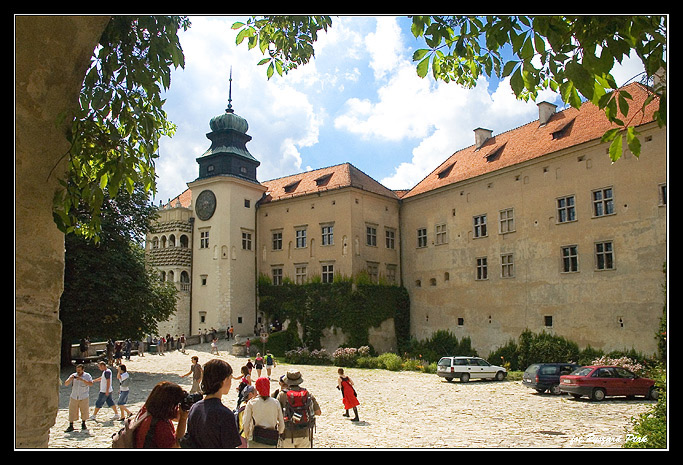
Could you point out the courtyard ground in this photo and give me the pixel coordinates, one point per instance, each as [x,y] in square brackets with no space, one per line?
[399,410]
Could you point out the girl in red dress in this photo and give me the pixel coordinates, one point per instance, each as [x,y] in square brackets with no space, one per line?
[345,385]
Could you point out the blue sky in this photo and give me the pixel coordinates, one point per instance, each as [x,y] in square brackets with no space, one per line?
[359,101]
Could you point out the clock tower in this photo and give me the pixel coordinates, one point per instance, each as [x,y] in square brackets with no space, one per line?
[224,201]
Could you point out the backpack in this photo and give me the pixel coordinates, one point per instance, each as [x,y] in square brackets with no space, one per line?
[125,437]
[298,412]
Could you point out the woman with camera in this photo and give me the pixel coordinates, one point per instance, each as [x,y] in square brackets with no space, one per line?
[162,407]
[210,424]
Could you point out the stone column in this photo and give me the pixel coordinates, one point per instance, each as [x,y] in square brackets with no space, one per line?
[52,55]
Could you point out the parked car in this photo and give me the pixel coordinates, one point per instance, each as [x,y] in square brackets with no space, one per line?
[597,382]
[468,367]
[546,376]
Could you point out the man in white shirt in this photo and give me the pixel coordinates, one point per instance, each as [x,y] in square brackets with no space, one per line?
[106,388]
[79,401]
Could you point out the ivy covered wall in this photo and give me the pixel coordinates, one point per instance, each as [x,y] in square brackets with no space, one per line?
[353,305]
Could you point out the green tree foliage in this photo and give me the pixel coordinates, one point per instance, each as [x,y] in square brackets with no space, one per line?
[572,55]
[108,290]
[116,131]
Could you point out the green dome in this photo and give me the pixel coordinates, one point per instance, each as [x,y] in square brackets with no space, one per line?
[229,120]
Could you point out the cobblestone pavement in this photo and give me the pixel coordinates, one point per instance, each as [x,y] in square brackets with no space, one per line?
[398,410]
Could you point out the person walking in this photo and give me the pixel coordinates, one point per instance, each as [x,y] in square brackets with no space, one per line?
[197,372]
[270,363]
[210,424]
[124,388]
[182,343]
[299,411]
[79,400]
[248,393]
[258,364]
[263,419]
[349,398]
[106,388]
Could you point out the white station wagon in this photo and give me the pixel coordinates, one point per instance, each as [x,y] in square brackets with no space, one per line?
[469,367]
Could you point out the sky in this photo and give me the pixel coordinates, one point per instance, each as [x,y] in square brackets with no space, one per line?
[358,101]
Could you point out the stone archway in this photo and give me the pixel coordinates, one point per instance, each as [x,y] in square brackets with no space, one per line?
[52,55]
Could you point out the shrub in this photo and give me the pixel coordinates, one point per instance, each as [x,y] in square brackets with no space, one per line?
[390,361]
[304,356]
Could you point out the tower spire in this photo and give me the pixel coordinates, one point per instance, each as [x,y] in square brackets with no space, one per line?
[229,109]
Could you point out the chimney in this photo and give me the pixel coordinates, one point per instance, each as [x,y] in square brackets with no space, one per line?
[481,135]
[545,111]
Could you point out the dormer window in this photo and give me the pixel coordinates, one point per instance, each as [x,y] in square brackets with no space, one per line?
[446,171]
[323,180]
[292,187]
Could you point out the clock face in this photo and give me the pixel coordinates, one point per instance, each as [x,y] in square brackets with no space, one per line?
[205,205]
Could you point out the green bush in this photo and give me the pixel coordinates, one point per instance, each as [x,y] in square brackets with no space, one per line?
[440,344]
[390,361]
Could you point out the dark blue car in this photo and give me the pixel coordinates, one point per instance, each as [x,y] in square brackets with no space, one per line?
[546,376]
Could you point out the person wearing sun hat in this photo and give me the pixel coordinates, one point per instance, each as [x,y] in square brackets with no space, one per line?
[263,419]
[298,433]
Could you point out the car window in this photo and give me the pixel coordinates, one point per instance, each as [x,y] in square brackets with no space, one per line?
[604,373]
[548,370]
[482,363]
[533,368]
[583,371]
[566,369]
[445,362]
[460,362]
[624,373]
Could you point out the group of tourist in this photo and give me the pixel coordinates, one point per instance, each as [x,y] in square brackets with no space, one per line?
[171,417]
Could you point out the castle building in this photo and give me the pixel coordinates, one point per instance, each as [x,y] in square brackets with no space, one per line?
[534,228]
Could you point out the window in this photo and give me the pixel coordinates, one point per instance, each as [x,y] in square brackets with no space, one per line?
[548,321]
[300,238]
[390,238]
[328,235]
[461,321]
[391,274]
[480,226]
[328,273]
[507,266]
[507,221]
[422,237]
[246,240]
[300,273]
[247,203]
[604,255]
[603,202]
[570,259]
[373,271]
[662,195]
[277,240]
[482,269]
[371,236]
[565,209]
[277,276]
[204,239]
[441,234]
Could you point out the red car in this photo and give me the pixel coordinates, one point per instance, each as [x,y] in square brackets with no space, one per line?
[597,382]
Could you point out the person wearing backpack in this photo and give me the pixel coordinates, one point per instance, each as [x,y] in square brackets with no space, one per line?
[299,411]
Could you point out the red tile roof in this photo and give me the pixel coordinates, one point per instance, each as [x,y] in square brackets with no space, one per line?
[564,129]
[324,179]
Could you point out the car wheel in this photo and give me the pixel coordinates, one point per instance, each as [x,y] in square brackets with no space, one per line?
[465,377]
[653,393]
[555,390]
[500,376]
[598,394]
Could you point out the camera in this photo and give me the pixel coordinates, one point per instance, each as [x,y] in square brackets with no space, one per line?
[190,399]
